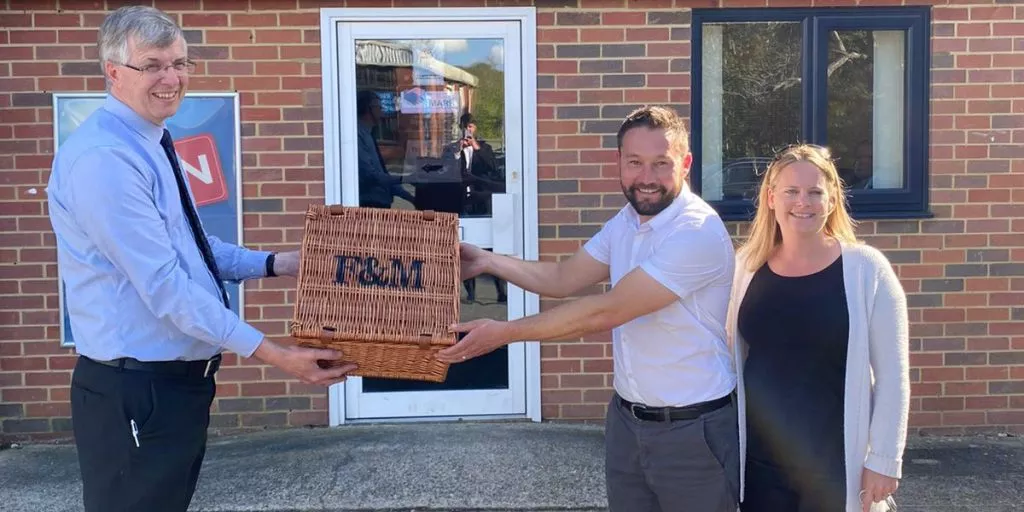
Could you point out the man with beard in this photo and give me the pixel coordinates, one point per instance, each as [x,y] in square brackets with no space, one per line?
[671,440]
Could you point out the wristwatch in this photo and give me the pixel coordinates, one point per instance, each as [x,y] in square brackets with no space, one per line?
[270,264]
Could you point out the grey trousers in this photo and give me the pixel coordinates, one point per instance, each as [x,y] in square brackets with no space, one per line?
[678,466]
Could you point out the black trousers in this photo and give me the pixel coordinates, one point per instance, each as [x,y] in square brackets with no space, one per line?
[141,436]
[772,489]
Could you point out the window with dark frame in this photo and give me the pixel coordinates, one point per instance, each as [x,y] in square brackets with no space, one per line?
[855,80]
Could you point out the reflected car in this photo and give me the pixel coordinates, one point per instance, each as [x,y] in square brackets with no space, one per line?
[740,177]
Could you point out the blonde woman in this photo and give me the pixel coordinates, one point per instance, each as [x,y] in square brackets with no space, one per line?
[818,324]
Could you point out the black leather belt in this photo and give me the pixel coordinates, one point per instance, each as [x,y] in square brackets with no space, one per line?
[690,412]
[198,369]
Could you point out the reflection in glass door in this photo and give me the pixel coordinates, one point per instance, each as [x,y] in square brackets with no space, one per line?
[436,129]
[437,126]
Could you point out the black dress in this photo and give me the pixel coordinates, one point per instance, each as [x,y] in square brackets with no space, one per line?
[797,330]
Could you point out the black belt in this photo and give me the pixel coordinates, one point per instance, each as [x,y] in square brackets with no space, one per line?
[690,412]
[199,369]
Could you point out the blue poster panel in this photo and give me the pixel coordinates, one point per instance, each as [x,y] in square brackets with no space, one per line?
[206,136]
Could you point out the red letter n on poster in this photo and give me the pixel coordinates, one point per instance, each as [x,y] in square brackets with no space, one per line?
[201,164]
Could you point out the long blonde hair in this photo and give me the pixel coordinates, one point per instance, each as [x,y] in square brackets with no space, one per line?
[765,235]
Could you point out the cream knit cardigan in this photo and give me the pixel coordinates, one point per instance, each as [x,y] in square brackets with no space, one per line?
[877,396]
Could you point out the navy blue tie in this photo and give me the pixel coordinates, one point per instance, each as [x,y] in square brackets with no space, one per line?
[192,215]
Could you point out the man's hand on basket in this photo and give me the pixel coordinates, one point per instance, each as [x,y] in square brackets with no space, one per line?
[473,260]
[482,337]
[303,362]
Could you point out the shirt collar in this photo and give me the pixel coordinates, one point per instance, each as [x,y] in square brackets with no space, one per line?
[143,127]
[663,217]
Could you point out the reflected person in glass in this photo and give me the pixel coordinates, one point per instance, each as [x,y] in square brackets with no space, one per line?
[377,187]
[479,168]
[861,175]
[818,327]
[671,440]
[481,178]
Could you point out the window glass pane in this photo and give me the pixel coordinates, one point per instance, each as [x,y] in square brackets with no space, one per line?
[866,106]
[751,102]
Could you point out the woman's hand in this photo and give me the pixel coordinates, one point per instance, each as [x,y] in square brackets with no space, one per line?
[875,487]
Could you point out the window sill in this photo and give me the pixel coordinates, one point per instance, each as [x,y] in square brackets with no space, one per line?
[892,215]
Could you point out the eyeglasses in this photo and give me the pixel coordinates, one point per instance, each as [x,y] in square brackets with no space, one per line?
[180,67]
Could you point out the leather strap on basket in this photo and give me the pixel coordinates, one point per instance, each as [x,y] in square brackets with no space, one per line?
[425,340]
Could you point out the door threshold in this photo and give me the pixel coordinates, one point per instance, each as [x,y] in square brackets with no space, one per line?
[442,419]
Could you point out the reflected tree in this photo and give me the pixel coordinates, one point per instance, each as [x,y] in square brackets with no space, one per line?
[762,103]
[489,103]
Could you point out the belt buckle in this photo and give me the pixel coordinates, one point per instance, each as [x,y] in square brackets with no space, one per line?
[209,364]
[633,407]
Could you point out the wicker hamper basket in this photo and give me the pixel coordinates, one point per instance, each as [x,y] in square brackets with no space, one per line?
[380,285]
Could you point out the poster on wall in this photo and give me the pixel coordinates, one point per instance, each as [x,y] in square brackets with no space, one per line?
[206,135]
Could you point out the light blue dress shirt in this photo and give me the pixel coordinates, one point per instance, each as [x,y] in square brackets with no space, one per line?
[135,281]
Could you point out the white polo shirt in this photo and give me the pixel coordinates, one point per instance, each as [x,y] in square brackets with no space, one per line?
[678,355]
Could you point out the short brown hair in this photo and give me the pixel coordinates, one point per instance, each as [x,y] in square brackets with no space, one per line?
[655,118]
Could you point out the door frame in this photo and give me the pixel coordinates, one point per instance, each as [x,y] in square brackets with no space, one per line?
[334,110]
[493,231]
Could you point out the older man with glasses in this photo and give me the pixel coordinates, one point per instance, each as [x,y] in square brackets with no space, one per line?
[144,283]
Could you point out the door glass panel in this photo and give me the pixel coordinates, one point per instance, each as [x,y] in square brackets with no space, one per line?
[436,109]
[489,371]
[431,136]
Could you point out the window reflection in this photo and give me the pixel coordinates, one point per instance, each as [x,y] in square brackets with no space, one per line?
[751,103]
[431,117]
[865,107]
[431,136]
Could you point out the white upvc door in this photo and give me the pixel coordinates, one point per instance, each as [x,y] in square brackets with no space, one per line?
[422,77]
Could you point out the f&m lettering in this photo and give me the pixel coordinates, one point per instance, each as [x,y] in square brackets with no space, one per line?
[369,271]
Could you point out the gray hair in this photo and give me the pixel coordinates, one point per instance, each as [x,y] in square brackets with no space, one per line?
[150,27]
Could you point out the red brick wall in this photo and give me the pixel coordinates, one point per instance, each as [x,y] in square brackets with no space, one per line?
[964,269]
[968,289]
